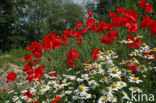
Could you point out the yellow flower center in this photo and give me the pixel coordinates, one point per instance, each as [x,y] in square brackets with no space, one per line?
[105,56]
[129,40]
[114,71]
[143,66]
[97,70]
[148,55]
[99,52]
[44,86]
[154,48]
[135,88]
[123,40]
[81,88]
[112,99]
[129,61]
[132,52]
[144,44]
[114,85]
[85,75]
[138,54]
[92,83]
[138,36]
[103,100]
[135,79]
[103,79]
[107,88]
[86,95]
[110,51]
[122,84]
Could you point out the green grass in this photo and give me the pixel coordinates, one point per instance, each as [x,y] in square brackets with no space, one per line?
[91,41]
[14,56]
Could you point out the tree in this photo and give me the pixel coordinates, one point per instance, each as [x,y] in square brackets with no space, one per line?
[24,21]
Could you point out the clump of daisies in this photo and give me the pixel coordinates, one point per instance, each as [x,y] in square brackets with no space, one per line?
[102,81]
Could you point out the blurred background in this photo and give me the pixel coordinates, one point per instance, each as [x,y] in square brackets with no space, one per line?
[24,21]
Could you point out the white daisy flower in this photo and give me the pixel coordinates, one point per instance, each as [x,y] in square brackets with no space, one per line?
[104,80]
[135,80]
[93,84]
[114,72]
[19,101]
[85,76]
[121,84]
[15,98]
[86,96]
[81,90]
[79,80]
[102,99]
[45,88]
[68,92]
[75,97]
[51,82]
[135,89]
[112,99]
[32,90]
[114,87]
[107,91]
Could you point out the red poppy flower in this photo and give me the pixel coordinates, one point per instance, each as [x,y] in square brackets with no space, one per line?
[107,39]
[94,53]
[148,8]
[49,59]
[11,77]
[79,24]
[132,66]
[153,28]
[83,31]
[27,57]
[73,55]
[57,98]
[53,74]
[136,42]
[90,14]
[79,41]
[28,94]
[142,3]
[4,90]
[121,11]
[70,63]
[36,102]
[146,22]
[39,72]
[113,34]
[132,28]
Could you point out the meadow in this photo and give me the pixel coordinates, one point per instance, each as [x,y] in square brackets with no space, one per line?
[96,62]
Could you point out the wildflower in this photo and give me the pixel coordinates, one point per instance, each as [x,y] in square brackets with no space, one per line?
[102,99]
[93,84]
[114,87]
[135,80]
[81,90]
[114,72]
[11,77]
[86,96]
[112,99]
[27,57]
[135,89]
[121,84]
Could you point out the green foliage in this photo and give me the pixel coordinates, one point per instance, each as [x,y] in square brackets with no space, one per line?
[24,21]
[15,56]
